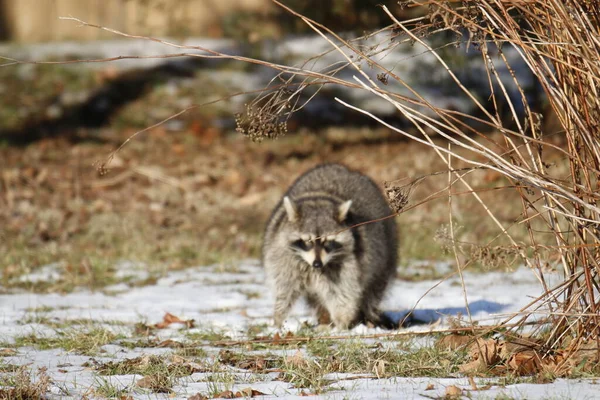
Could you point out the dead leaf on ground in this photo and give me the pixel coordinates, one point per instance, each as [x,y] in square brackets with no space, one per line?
[249,392]
[297,360]
[7,352]
[250,362]
[169,319]
[453,392]
[525,363]
[517,345]
[454,342]
[430,386]
[227,394]
[484,353]
[556,365]
[198,396]
[171,344]
[157,383]
[585,357]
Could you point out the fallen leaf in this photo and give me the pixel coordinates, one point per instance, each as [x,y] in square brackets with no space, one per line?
[487,349]
[453,392]
[555,365]
[7,352]
[255,364]
[297,360]
[525,363]
[471,367]
[156,383]
[454,342]
[249,392]
[516,345]
[169,319]
[585,357]
[198,396]
[484,353]
[227,394]
[430,387]
[176,359]
[170,343]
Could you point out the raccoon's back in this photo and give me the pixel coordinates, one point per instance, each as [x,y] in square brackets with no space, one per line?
[337,180]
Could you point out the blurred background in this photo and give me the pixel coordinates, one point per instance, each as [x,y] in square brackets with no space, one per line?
[192,190]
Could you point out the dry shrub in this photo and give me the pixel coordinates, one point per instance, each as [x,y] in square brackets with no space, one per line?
[559,41]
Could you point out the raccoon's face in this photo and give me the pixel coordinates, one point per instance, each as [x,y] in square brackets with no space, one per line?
[319,251]
[312,235]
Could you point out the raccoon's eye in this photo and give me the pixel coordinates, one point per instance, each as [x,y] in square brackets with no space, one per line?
[332,245]
[302,245]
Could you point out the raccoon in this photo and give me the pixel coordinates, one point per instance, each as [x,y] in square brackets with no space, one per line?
[313,248]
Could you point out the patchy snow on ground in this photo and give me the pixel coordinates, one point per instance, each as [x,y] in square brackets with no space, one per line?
[230,300]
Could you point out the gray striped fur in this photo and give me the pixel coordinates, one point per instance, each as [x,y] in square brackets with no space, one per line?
[358,263]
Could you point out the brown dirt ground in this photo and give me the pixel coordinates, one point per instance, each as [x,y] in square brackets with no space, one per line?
[178,199]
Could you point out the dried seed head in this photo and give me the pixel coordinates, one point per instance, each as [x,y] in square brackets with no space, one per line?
[383,78]
[397,196]
[258,124]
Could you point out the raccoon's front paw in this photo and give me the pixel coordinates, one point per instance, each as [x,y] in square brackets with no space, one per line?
[278,321]
[342,320]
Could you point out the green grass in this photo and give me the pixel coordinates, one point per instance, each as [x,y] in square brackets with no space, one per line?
[146,366]
[81,340]
[106,389]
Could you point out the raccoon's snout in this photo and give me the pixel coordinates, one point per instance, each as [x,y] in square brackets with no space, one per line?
[317,253]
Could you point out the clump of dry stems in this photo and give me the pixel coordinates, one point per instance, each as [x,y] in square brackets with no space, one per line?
[560,43]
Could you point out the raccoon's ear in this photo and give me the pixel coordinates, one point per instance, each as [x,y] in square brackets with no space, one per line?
[343,210]
[290,209]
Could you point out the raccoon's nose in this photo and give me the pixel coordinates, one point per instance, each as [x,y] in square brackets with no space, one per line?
[318,264]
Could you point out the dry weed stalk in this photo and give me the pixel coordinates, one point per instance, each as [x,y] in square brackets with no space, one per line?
[560,42]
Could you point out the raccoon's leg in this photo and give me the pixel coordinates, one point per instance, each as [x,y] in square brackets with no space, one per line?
[323,317]
[284,300]
[372,297]
[342,296]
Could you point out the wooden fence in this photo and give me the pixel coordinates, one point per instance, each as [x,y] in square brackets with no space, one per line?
[38,20]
